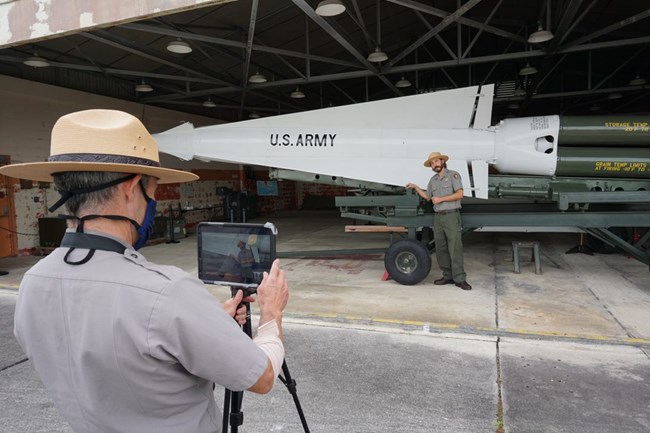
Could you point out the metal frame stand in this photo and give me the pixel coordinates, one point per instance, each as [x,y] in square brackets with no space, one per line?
[232,402]
[535,255]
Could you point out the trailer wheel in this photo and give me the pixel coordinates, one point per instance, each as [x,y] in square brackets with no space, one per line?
[407,261]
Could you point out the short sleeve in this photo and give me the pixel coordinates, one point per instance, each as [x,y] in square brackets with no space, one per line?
[189,326]
[456,181]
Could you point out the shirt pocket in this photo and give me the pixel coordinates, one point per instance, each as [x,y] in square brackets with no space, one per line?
[446,188]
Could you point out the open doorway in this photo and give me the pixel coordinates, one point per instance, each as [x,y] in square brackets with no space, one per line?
[8,242]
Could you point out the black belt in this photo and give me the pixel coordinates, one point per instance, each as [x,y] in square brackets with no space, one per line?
[442,212]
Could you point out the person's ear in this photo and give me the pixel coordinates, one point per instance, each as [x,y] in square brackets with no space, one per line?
[131,187]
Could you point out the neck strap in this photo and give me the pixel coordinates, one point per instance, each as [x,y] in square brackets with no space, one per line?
[90,242]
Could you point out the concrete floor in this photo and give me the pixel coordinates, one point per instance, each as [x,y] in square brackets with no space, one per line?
[564,351]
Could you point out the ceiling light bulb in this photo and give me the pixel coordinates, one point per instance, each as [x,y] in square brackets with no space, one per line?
[638,81]
[36,62]
[528,70]
[513,106]
[519,92]
[297,94]
[540,36]
[209,103]
[377,56]
[143,87]
[330,8]
[403,83]
[614,95]
[179,47]
[254,115]
[257,78]
[594,108]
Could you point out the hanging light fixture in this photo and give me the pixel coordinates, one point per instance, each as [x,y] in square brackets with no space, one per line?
[615,95]
[179,47]
[519,92]
[594,108]
[528,70]
[143,87]
[330,8]
[513,106]
[540,35]
[638,81]
[254,115]
[257,78]
[209,103]
[36,61]
[403,82]
[297,94]
[377,56]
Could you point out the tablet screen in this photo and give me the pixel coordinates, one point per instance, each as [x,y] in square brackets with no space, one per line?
[235,254]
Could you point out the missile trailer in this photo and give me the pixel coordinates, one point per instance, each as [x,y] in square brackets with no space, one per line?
[615,211]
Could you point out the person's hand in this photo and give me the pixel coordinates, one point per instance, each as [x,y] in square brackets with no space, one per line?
[231,306]
[436,200]
[272,293]
[411,186]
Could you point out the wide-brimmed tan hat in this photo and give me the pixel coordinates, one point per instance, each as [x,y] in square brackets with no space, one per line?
[435,155]
[99,140]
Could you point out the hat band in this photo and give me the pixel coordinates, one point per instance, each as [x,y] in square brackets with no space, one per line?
[102,158]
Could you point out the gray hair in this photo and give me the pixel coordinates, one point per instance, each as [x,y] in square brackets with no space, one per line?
[76,180]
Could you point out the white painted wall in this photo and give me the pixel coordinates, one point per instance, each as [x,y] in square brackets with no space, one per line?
[29,110]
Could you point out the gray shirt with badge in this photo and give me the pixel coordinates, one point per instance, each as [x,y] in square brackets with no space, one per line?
[125,345]
[447,184]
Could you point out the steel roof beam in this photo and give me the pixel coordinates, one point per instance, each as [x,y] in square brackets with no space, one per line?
[623,23]
[111,40]
[430,65]
[437,36]
[478,35]
[236,44]
[311,13]
[449,19]
[249,51]
[462,20]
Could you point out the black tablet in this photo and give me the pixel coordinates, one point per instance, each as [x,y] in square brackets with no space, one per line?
[236,255]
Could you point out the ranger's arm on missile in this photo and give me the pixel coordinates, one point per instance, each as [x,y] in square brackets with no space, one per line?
[422,193]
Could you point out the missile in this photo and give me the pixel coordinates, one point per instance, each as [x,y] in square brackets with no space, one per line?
[387,141]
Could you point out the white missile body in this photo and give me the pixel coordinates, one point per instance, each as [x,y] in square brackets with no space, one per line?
[384,141]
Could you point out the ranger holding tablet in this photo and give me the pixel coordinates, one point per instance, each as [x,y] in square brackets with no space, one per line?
[123,344]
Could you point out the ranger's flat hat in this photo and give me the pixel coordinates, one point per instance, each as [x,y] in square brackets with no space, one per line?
[435,155]
[99,140]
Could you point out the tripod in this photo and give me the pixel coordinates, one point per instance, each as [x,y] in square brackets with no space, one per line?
[232,400]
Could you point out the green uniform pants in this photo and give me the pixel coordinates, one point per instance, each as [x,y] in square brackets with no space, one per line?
[447,232]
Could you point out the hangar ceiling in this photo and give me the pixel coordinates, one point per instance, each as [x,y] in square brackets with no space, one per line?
[597,61]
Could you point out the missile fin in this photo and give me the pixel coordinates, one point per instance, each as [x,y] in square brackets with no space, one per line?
[484,110]
[480,178]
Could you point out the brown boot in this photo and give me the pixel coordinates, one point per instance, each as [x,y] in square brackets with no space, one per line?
[464,285]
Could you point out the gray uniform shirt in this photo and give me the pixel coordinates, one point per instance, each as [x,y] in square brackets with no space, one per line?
[447,184]
[125,345]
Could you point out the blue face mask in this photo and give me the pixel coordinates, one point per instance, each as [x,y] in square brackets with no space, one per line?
[146,228]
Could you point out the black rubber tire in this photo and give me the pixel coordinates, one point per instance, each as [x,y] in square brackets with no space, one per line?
[407,261]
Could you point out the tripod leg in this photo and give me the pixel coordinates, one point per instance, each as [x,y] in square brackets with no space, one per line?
[226,411]
[291,386]
[236,415]
[232,411]
[232,401]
